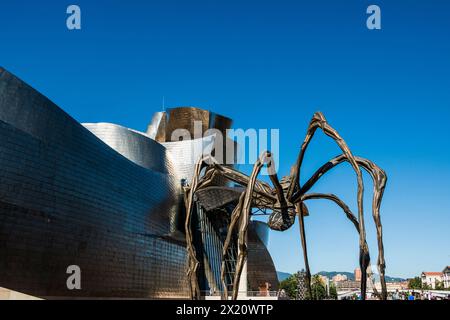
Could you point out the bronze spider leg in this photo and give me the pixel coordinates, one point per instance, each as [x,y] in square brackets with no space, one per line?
[235,218]
[244,221]
[189,202]
[233,221]
[379,179]
[242,214]
[295,196]
[300,209]
[350,216]
[213,169]
[301,214]
[319,121]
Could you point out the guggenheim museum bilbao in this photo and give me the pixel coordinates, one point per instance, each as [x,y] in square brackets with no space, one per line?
[109,200]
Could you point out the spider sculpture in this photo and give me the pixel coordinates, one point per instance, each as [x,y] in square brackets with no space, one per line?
[285,200]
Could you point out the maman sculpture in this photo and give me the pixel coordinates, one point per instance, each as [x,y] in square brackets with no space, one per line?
[286,200]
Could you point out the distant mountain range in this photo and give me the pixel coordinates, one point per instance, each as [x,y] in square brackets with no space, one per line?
[283,275]
[330,274]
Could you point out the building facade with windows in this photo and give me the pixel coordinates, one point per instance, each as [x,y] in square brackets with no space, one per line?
[430,279]
[339,277]
[446,277]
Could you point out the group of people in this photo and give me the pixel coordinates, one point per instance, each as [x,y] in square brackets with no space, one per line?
[402,295]
[415,295]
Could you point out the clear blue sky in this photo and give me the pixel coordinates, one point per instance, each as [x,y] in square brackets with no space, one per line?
[271,64]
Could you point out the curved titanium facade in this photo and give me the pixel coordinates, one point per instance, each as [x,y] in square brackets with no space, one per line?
[186,153]
[67,198]
[108,199]
[135,146]
[184,118]
[260,267]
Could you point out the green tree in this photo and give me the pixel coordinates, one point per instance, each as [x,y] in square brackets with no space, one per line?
[333,291]
[415,283]
[439,285]
[318,290]
[290,286]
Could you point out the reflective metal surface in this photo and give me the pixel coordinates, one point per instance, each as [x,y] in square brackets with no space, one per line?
[108,199]
[157,127]
[66,198]
[135,146]
[186,153]
[260,267]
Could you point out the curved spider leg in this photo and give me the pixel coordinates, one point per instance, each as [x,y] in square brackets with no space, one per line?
[244,217]
[199,182]
[242,214]
[299,208]
[339,202]
[282,203]
[379,179]
[261,189]
[233,220]
[189,202]
[300,212]
[275,181]
[344,208]
[213,170]
[319,121]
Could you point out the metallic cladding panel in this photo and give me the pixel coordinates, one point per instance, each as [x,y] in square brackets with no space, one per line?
[209,236]
[67,198]
[135,146]
[157,127]
[262,230]
[184,118]
[186,153]
[212,251]
[220,123]
[215,197]
[260,267]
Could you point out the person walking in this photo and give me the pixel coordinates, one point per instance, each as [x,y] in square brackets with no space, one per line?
[395,296]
